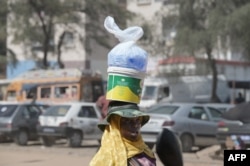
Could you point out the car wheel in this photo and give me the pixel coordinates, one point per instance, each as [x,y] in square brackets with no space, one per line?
[21,137]
[48,141]
[186,143]
[75,139]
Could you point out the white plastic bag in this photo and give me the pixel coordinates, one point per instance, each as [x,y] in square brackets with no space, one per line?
[126,54]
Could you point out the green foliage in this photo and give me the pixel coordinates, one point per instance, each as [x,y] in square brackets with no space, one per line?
[147,33]
[201,22]
[196,29]
[3,35]
[239,30]
[34,21]
[96,12]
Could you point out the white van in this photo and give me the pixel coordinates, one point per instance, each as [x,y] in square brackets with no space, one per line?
[153,91]
[74,121]
[181,89]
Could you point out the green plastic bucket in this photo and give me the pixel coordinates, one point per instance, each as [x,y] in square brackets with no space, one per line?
[124,84]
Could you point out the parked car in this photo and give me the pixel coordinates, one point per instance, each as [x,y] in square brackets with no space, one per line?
[75,121]
[18,121]
[235,125]
[194,124]
[223,107]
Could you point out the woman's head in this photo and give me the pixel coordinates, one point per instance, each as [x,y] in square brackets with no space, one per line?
[130,128]
[121,138]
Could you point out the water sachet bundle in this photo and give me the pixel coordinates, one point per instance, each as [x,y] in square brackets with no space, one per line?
[126,54]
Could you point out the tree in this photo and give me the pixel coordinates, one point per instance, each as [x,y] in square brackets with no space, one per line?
[238,27]
[156,31]
[3,14]
[34,21]
[96,12]
[200,23]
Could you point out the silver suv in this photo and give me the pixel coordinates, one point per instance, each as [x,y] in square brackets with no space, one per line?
[72,121]
[18,121]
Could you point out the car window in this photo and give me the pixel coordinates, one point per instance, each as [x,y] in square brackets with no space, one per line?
[30,111]
[163,92]
[215,113]
[220,108]
[87,111]
[163,109]
[198,113]
[7,110]
[43,107]
[58,110]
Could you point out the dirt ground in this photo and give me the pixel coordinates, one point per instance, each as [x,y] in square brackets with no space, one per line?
[60,155]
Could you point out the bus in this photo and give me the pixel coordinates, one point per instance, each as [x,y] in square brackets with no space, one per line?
[59,85]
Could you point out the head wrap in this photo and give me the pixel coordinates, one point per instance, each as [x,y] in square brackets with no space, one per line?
[115,149]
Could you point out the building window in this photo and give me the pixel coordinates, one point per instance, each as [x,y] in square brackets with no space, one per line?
[143,2]
[45,92]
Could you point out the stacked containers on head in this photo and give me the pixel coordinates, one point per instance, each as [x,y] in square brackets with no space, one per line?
[127,64]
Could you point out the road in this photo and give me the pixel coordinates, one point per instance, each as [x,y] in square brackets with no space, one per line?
[60,155]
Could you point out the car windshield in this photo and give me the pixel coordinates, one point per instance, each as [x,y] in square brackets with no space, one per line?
[57,110]
[149,93]
[168,110]
[7,110]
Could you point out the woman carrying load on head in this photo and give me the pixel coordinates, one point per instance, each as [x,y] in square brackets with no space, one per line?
[122,143]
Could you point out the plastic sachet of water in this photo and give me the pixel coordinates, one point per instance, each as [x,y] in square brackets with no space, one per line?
[126,54]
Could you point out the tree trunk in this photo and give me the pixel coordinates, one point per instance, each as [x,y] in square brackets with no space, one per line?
[60,43]
[45,55]
[214,97]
